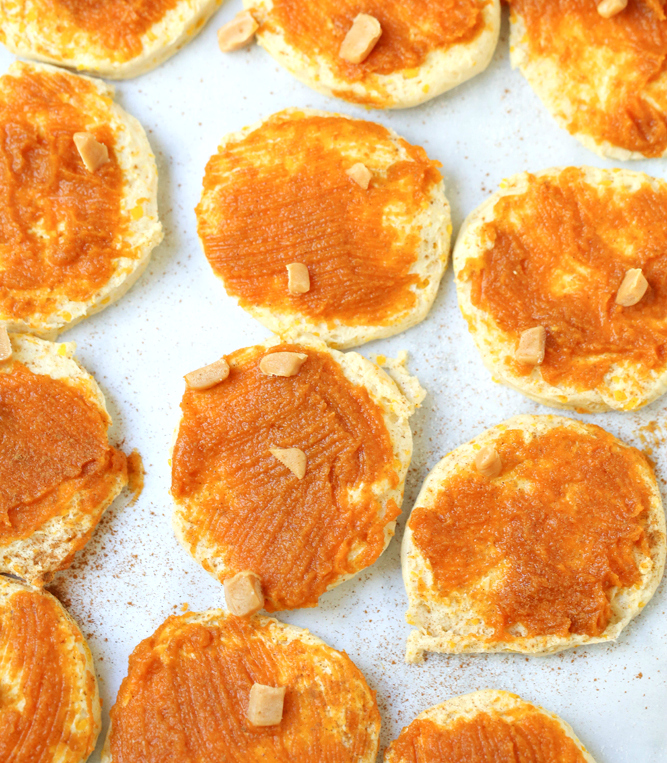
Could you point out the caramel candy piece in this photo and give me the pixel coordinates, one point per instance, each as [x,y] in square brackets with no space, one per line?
[609,8]
[237,33]
[282,363]
[298,278]
[532,346]
[632,289]
[243,594]
[488,463]
[293,458]
[208,376]
[361,175]
[93,153]
[5,345]
[361,39]
[265,707]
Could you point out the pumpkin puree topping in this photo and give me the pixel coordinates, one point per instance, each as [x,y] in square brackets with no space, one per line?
[556,256]
[53,445]
[627,52]
[39,711]
[186,696]
[562,525]
[281,195]
[299,535]
[529,738]
[60,224]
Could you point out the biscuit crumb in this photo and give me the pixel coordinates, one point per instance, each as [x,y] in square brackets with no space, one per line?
[5,345]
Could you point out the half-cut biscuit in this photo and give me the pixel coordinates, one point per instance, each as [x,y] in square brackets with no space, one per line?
[562,548]
[58,473]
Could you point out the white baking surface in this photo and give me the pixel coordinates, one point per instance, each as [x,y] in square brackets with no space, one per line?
[133,574]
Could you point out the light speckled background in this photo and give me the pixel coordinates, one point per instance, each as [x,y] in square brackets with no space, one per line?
[133,574]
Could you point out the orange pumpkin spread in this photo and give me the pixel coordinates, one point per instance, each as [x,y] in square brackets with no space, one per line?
[186,696]
[281,195]
[528,738]
[410,33]
[614,70]
[299,536]
[557,255]
[60,224]
[41,702]
[562,527]
[53,447]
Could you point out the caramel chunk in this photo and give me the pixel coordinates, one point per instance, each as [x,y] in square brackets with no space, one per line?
[609,8]
[298,278]
[243,594]
[532,346]
[93,153]
[632,289]
[282,363]
[5,345]
[237,33]
[208,376]
[265,707]
[293,458]
[488,463]
[361,39]
[361,175]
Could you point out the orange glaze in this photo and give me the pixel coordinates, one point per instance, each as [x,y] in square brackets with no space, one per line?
[410,33]
[634,116]
[531,737]
[296,535]
[568,228]
[295,203]
[53,445]
[566,543]
[185,698]
[45,187]
[36,666]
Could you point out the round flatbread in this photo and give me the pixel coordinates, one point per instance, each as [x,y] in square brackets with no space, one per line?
[427,46]
[478,727]
[116,39]
[562,547]
[188,688]
[72,241]
[58,473]
[50,702]
[603,79]
[552,250]
[240,508]
[278,193]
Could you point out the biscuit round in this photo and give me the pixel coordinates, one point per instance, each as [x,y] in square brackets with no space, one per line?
[188,686]
[50,702]
[72,241]
[562,549]
[474,728]
[58,473]
[426,47]
[116,39]
[551,250]
[240,508]
[602,79]
[279,193]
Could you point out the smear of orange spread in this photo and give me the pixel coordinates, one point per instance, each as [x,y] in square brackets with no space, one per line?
[632,50]
[282,195]
[557,255]
[299,536]
[186,697]
[529,737]
[53,445]
[564,524]
[135,475]
[60,224]
[38,711]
